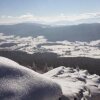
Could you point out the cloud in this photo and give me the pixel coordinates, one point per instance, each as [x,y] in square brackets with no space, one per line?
[48,19]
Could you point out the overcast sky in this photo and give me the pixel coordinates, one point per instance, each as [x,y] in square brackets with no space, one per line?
[49,11]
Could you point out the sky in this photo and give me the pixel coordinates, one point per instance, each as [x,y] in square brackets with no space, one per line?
[49,11]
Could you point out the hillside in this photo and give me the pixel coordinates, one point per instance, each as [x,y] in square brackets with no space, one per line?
[81,32]
[20,83]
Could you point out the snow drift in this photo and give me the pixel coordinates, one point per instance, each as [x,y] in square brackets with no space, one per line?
[20,83]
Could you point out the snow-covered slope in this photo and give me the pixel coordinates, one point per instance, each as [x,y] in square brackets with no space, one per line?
[76,84]
[27,44]
[20,83]
[40,44]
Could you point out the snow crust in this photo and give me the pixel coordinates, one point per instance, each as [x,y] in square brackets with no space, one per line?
[76,84]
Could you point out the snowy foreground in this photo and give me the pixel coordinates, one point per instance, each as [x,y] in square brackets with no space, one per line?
[41,44]
[76,84]
[20,83]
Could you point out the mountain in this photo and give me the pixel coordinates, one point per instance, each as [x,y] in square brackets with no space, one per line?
[81,32]
[20,83]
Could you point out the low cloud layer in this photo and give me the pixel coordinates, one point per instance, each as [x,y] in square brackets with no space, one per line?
[59,19]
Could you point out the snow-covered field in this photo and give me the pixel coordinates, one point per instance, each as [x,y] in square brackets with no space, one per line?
[41,44]
[20,83]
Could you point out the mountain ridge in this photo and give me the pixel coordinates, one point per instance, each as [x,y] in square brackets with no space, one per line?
[81,32]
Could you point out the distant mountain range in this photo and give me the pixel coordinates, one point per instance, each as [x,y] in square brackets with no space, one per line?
[81,32]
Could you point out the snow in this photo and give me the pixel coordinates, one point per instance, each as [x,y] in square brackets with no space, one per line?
[27,44]
[20,83]
[41,44]
[76,83]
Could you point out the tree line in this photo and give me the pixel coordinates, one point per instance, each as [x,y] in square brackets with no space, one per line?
[42,62]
